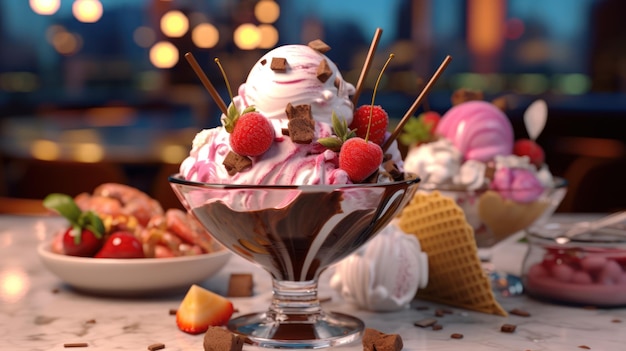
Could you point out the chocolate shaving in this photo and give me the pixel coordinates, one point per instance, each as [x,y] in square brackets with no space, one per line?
[323,71]
[76,344]
[236,163]
[463,95]
[301,125]
[508,328]
[319,46]
[221,339]
[374,340]
[279,64]
[240,285]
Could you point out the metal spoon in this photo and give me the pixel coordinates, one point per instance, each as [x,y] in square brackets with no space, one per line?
[590,226]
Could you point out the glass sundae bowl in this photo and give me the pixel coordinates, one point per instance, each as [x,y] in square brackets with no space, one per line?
[294,233]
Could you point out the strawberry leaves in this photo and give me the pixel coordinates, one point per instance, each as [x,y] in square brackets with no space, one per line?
[342,133]
[79,220]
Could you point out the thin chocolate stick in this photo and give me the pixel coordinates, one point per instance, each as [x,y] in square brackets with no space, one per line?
[417,102]
[206,82]
[366,66]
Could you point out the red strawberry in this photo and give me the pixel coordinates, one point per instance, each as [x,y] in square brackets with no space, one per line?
[84,237]
[121,245]
[431,119]
[360,158]
[252,134]
[527,147]
[201,309]
[380,121]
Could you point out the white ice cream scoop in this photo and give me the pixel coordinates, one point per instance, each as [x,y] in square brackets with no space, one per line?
[384,274]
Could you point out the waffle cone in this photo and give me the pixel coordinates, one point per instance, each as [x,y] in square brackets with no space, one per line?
[504,217]
[456,277]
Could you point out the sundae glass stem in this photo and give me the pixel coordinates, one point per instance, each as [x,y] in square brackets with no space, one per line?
[294,298]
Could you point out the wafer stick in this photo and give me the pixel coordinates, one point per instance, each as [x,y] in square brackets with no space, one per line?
[206,82]
[417,102]
[366,66]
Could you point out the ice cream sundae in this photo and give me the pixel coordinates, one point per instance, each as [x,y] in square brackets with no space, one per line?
[502,184]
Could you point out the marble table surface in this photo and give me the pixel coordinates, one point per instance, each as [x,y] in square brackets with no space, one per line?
[40,312]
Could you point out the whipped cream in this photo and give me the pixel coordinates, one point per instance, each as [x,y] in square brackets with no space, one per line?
[384,274]
[436,162]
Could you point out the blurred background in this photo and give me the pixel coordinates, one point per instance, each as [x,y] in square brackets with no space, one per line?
[98,90]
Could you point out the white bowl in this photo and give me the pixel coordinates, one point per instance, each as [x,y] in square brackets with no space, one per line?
[128,277]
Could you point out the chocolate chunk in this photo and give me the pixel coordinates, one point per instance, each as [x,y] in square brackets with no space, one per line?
[263,62]
[156,346]
[319,45]
[391,168]
[584,347]
[240,285]
[301,125]
[464,95]
[323,71]
[437,326]
[508,328]
[236,163]
[456,336]
[439,313]
[172,311]
[75,344]
[220,339]
[374,340]
[519,312]
[616,320]
[501,103]
[427,322]
[337,83]
[279,64]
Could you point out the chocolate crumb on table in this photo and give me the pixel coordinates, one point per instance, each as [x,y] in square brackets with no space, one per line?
[519,312]
[508,328]
[75,344]
[374,340]
[156,346]
[616,320]
[456,336]
[172,311]
[584,347]
[437,326]
[221,339]
[240,285]
[427,322]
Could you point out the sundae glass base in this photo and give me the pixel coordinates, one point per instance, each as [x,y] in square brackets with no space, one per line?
[294,233]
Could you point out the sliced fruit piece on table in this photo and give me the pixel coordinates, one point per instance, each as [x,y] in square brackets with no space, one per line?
[201,309]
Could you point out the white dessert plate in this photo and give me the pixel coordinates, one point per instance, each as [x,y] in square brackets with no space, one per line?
[132,277]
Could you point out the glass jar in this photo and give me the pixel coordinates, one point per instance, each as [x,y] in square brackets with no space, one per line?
[587,269]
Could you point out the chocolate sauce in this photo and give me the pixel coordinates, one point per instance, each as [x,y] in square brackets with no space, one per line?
[283,240]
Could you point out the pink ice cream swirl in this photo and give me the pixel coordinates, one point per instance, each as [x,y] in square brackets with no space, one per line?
[478,129]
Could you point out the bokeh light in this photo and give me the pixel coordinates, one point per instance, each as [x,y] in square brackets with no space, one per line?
[144,36]
[164,55]
[205,36]
[87,11]
[247,36]
[66,43]
[267,11]
[174,24]
[45,150]
[88,152]
[269,36]
[45,7]
[173,154]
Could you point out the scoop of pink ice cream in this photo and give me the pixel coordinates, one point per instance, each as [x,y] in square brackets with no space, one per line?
[517,184]
[478,129]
